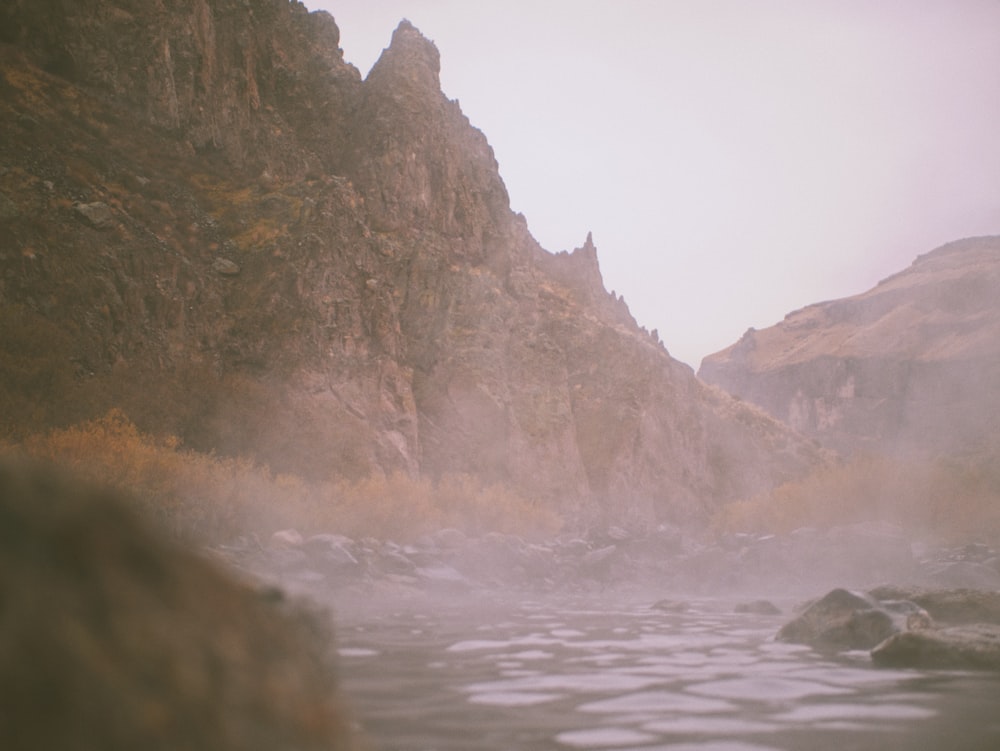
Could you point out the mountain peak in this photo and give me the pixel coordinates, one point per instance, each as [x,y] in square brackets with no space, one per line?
[410,57]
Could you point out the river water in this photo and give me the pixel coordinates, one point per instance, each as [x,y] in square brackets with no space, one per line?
[595,672]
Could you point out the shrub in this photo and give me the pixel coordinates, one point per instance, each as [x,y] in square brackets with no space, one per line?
[400,507]
[942,500]
[191,494]
[197,495]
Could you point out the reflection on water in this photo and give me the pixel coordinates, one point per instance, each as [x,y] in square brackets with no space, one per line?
[575,675]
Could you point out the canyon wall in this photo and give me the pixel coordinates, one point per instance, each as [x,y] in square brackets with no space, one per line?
[212,222]
[910,366]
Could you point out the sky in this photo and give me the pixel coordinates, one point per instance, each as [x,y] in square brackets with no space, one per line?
[735,159]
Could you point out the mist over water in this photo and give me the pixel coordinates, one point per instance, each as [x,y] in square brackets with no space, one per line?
[629,642]
[605,672]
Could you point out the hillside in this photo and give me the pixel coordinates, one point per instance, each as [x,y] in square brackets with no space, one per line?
[911,366]
[211,222]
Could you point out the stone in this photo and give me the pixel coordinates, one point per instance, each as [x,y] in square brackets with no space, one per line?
[841,620]
[950,606]
[97,215]
[758,607]
[975,646]
[225,267]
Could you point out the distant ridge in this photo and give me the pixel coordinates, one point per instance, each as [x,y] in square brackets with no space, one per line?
[912,365]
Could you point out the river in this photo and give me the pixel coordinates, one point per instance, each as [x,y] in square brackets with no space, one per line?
[601,672]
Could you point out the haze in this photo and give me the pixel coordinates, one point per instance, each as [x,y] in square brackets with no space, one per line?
[735,160]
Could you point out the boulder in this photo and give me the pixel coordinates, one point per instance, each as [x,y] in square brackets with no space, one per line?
[758,607]
[949,606]
[840,620]
[975,646]
[113,638]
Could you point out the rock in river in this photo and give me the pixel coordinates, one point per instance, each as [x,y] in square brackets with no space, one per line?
[974,646]
[840,620]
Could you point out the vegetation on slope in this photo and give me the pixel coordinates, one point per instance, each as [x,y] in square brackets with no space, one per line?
[209,498]
[941,500]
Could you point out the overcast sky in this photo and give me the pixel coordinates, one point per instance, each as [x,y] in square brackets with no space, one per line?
[735,159]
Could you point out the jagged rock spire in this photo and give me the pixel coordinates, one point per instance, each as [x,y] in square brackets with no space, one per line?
[411,58]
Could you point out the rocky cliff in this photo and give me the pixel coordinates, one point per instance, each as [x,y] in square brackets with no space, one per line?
[911,365]
[211,221]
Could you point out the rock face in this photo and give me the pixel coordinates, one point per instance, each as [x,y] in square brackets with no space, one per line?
[913,364]
[112,639]
[321,272]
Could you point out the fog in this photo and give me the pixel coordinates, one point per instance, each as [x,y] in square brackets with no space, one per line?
[735,161]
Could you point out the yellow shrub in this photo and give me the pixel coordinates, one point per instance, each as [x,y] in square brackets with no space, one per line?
[210,498]
[944,500]
[403,508]
[192,494]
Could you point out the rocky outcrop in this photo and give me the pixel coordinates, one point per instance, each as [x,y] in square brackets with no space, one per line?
[260,81]
[911,365]
[321,272]
[952,629]
[112,639]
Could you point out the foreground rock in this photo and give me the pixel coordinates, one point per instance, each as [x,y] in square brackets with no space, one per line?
[112,639]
